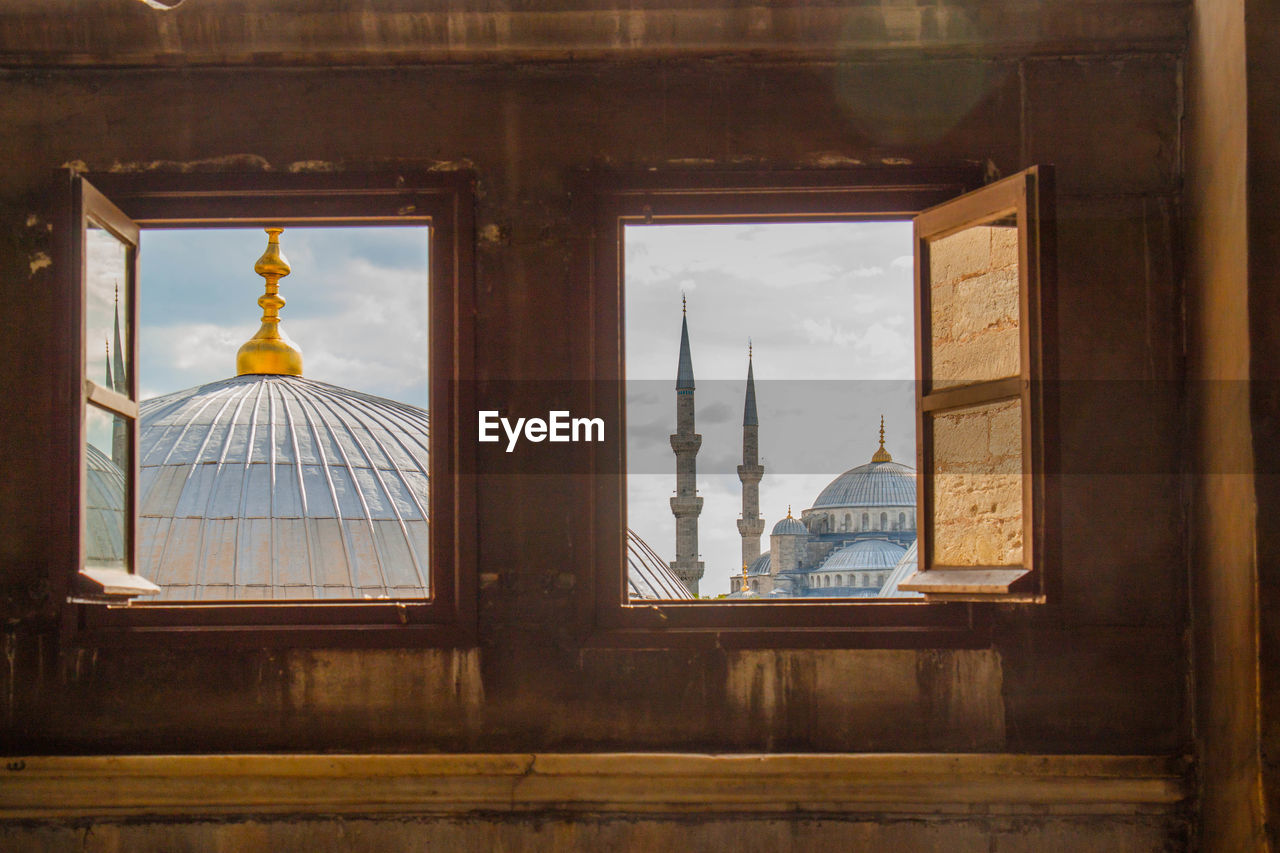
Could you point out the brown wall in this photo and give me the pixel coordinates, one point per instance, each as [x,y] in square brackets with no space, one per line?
[1101,670]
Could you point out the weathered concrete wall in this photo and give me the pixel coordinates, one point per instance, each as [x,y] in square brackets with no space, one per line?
[524,129]
[1103,669]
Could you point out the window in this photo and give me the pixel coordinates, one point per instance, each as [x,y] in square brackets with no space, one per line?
[249,597]
[607,205]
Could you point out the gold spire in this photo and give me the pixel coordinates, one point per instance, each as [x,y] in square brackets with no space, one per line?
[270,350]
[881,455]
[746,585]
[788,510]
[684,305]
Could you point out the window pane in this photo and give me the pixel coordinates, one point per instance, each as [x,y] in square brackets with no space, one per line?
[977,498]
[106,460]
[973,286]
[107,332]
[769,455]
[271,484]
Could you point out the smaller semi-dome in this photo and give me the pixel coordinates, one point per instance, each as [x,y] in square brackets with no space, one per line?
[760,566]
[789,526]
[868,554]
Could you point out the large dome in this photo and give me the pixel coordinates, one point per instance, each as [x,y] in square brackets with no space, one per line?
[272,486]
[873,484]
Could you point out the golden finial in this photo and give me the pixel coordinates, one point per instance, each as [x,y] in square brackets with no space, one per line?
[270,350]
[881,455]
[748,349]
[788,510]
[684,305]
[746,585]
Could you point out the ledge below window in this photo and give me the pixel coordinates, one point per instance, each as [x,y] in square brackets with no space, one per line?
[132,786]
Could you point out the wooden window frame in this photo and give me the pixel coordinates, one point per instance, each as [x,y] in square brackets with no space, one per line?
[442,200]
[603,204]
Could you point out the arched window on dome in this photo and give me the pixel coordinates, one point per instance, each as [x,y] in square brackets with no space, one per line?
[866,521]
[884,521]
[902,521]
[839,580]
[826,580]
[848,521]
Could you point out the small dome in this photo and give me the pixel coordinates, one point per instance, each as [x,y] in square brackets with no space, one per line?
[905,568]
[867,554]
[789,527]
[875,484]
[760,566]
[647,575]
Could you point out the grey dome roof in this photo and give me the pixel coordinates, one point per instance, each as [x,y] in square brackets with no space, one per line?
[761,564]
[269,487]
[905,568]
[864,554]
[104,510]
[873,484]
[648,576]
[789,526]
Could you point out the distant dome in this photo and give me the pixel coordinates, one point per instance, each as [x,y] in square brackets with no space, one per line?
[273,486]
[760,566]
[873,484]
[789,526]
[104,510]
[648,576]
[866,554]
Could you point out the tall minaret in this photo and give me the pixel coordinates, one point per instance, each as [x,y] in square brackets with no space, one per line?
[120,384]
[751,525]
[686,505]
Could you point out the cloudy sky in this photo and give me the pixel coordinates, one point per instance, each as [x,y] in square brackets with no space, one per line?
[828,308]
[357,306]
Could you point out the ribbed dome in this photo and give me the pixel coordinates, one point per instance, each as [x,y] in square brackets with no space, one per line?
[788,526]
[761,565]
[905,568]
[647,575]
[269,487]
[104,510]
[873,484]
[867,554]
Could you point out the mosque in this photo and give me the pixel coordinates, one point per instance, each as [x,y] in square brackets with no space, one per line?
[856,540]
[269,485]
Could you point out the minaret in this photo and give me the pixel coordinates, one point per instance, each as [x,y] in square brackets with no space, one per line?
[751,525]
[686,505]
[119,383]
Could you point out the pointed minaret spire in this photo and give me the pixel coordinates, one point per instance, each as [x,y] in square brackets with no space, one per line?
[751,524]
[684,370]
[118,376]
[881,455]
[686,506]
[108,384]
[117,381]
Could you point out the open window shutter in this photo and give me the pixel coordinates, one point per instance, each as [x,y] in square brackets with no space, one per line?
[984,304]
[104,259]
